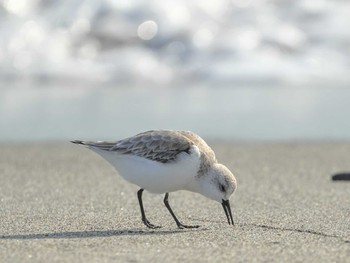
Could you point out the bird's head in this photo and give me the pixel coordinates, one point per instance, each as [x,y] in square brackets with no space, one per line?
[219,184]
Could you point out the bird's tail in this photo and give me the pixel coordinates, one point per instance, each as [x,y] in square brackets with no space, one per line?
[98,145]
[79,142]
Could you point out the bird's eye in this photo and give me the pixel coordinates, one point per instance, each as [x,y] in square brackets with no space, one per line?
[222,188]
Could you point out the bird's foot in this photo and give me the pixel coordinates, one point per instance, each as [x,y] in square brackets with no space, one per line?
[182,226]
[149,225]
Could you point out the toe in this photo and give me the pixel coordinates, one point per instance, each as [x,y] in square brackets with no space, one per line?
[182,226]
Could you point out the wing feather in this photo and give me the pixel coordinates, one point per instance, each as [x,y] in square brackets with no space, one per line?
[161,146]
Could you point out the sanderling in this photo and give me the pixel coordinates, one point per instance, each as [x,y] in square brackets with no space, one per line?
[163,161]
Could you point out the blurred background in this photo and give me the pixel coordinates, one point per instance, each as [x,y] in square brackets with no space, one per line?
[226,69]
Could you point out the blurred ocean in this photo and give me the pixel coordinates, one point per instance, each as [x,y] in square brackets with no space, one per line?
[233,69]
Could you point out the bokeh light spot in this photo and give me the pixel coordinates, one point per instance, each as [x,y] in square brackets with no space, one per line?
[147,30]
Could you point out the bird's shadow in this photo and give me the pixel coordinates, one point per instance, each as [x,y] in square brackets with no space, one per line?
[95,233]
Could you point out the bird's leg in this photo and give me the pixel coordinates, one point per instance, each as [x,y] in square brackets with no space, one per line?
[179,224]
[143,216]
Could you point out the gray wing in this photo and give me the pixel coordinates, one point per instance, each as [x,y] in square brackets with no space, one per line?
[161,146]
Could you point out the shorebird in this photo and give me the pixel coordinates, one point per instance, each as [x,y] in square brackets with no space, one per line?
[164,161]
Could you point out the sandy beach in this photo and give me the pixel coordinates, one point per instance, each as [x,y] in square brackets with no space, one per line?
[63,203]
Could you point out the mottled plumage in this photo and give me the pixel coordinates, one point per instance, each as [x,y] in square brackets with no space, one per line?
[160,146]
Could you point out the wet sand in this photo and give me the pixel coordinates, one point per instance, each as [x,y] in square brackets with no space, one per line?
[63,203]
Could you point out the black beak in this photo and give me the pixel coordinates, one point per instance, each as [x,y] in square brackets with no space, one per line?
[227,209]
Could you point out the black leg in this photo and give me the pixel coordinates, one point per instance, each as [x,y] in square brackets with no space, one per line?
[179,224]
[143,216]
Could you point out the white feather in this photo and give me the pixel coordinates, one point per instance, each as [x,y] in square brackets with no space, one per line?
[154,176]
